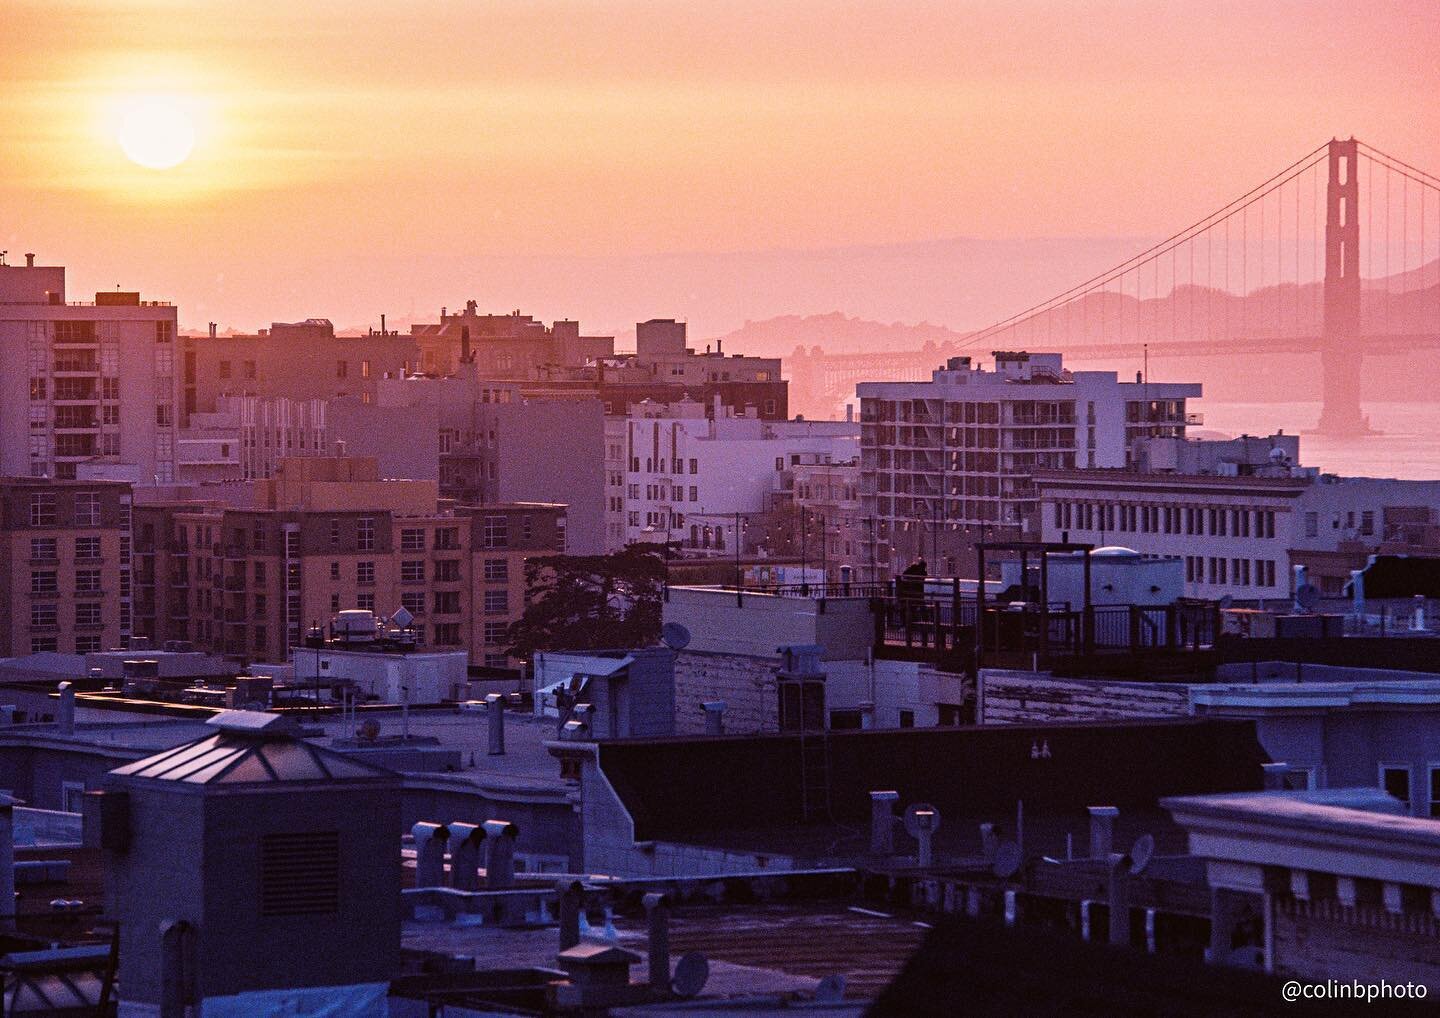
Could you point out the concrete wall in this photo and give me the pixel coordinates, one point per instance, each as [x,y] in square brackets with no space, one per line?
[1012,697]
[745,682]
[761,623]
[1321,940]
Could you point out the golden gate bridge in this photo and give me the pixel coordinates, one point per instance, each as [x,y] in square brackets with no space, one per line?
[1277,270]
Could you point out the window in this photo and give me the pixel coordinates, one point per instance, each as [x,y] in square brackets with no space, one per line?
[412,571]
[497,570]
[44,549]
[412,539]
[907,719]
[770,408]
[1435,790]
[259,572]
[334,602]
[224,369]
[44,616]
[447,570]
[497,602]
[162,415]
[341,369]
[250,369]
[87,613]
[413,601]
[447,602]
[495,632]
[496,661]
[497,532]
[1367,522]
[89,644]
[1395,780]
[335,532]
[42,509]
[365,602]
[447,538]
[1312,524]
[364,369]
[365,572]
[334,570]
[300,873]
[447,634]
[87,581]
[44,644]
[37,388]
[779,462]
[365,534]
[44,583]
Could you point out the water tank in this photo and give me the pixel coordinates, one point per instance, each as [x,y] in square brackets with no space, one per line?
[355,625]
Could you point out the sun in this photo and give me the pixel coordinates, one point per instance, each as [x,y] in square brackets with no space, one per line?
[156,132]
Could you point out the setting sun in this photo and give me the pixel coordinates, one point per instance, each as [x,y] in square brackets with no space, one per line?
[155,132]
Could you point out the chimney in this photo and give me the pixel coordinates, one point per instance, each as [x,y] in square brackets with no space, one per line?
[465,842]
[719,347]
[29,260]
[989,843]
[66,714]
[1119,900]
[882,822]
[1102,830]
[926,823]
[7,861]
[430,842]
[714,717]
[382,323]
[657,908]
[571,895]
[212,330]
[1275,776]
[464,344]
[495,713]
[500,854]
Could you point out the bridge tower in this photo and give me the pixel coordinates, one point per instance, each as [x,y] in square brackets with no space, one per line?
[1341,342]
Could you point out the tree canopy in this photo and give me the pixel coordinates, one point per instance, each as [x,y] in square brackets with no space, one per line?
[590,602]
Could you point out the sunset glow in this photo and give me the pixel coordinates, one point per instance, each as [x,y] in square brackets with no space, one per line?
[155,132]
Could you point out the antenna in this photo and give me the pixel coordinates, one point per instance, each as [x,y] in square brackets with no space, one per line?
[1008,860]
[1141,853]
[675,636]
[692,971]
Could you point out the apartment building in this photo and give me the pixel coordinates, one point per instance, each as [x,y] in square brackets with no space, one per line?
[247,437]
[64,566]
[1241,514]
[84,382]
[297,361]
[512,346]
[828,497]
[958,454]
[326,535]
[666,462]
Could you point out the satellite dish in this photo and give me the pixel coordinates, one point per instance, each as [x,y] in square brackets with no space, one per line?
[675,636]
[1008,860]
[831,989]
[691,973]
[921,818]
[1307,596]
[1227,601]
[1141,853]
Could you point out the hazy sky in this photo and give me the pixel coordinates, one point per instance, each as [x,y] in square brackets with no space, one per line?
[406,135]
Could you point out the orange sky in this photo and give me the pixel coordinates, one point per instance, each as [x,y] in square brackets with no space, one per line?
[340,133]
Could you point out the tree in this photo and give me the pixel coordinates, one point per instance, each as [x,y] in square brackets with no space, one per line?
[590,602]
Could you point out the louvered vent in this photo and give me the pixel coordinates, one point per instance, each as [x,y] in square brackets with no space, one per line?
[300,873]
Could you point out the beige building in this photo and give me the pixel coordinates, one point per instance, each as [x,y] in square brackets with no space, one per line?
[84,383]
[64,566]
[328,534]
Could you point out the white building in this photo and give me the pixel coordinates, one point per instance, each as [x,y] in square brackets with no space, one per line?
[1240,530]
[247,436]
[390,676]
[665,462]
[960,450]
[84,382]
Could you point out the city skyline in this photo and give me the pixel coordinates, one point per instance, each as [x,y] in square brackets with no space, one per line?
[617,145]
